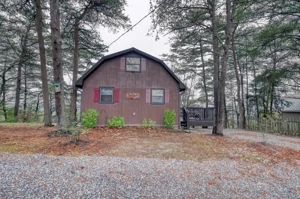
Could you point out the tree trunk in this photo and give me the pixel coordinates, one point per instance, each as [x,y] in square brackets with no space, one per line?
[4,104]
[25,95]
[203,74]
[216,61]
[222,81]
[241,118]
[39,29]
[18,88]
[272,84]
[226,115]
[57,64]
[37,104]
[19,72]
[255,90]
[3,91]
[73,109]
[247,90]
[244,124]
[37,107]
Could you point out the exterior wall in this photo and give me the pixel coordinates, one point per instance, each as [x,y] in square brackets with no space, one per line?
[291,115]
[134,111]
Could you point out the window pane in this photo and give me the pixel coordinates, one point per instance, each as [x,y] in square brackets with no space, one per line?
[107,98]
[133,60]
[158,92]
[157,96]
[156,99]
[130,67]
[107,91]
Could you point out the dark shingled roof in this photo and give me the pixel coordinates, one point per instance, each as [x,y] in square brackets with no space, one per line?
[79,82]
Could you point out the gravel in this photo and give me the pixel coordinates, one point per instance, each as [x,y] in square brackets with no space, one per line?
[255,136]
[279,140]
[43,176]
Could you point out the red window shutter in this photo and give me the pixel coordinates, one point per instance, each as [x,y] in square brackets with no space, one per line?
[167,97]
[143,64]
[96,94]
[116,95]
[122,63]
[148,96]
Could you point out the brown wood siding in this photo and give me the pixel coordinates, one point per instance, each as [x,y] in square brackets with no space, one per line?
[134,111]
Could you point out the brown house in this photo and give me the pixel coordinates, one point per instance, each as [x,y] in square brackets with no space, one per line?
[131,84]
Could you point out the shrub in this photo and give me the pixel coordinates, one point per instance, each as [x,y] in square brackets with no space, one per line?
[116,121]
[75,134]
[89,118]
[144,123]
[149,123]
[169,118]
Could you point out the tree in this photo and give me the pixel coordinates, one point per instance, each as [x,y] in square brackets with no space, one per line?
[108,13]
[174,16]
[39,29]
[57,64]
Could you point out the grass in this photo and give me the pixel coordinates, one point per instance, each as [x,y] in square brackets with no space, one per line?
[138,142]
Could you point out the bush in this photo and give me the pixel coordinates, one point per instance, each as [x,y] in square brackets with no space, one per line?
[144,123]
[72,132]
[75,134]
[149,123]
[89,118]
[116,121]
[169,118]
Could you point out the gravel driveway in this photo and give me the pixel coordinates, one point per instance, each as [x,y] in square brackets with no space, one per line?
[255,136]
[42,176]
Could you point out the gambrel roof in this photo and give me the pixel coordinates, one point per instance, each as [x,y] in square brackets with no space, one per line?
[80,81]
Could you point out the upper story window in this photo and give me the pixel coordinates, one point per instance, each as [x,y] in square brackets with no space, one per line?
[157,96]
[133,64]
[106,95]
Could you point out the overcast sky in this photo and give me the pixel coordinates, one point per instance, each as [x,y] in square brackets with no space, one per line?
[136,10]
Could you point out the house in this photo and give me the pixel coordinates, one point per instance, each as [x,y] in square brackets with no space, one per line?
[131,84]
[292,110]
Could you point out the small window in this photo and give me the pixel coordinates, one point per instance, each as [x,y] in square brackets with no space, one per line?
[106,95]
[133,64]
[158,96]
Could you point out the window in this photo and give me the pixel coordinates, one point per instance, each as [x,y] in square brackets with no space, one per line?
[157,96]
[106,95]
[133,64]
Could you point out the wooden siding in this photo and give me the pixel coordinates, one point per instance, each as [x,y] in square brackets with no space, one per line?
[110,74]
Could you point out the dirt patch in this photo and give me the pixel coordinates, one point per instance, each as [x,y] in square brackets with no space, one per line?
[140,142]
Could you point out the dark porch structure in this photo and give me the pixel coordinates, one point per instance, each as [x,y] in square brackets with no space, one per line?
[195,116]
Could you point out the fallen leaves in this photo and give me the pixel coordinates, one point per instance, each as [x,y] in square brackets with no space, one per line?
[142,142]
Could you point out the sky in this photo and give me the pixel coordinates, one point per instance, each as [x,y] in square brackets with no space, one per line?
[136,10]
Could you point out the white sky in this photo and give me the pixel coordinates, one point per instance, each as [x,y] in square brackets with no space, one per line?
[136,10]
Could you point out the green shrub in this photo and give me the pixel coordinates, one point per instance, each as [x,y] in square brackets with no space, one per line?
[89,118]
[149,123]
[144,123]
[116,121]
[169,118]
